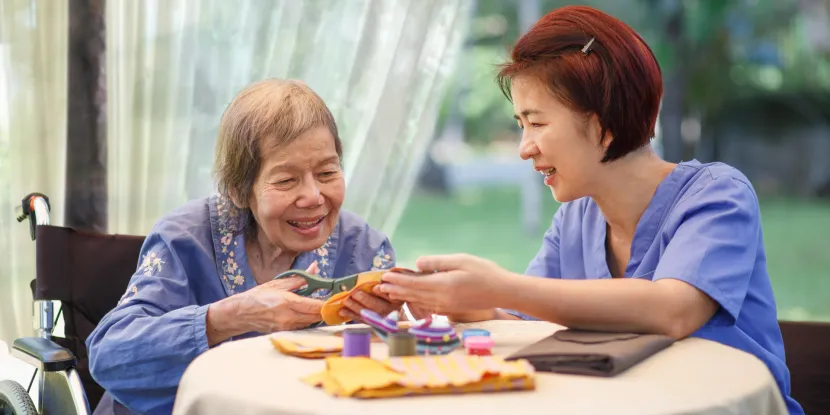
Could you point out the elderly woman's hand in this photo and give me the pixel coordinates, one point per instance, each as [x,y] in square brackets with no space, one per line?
[273,307]
[266,308]
[463,286]
[375,301]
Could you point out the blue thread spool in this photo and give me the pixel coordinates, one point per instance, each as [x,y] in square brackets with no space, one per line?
[474,333]
[357,342]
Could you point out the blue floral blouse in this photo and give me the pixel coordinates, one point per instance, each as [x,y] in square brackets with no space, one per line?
[193,257]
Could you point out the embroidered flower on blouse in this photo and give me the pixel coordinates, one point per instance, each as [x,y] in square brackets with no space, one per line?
[382,260]
[150,264]
[229,225]
[323,251]
[322,258]
[133,290]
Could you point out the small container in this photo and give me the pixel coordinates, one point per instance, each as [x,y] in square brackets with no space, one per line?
[401,344]
[357,342]
[474,333]
[478,345]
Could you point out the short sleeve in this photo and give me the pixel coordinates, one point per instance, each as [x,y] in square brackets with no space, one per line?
[546,262]
[715,246]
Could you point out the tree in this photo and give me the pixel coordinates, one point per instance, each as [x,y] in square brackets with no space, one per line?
[698,44]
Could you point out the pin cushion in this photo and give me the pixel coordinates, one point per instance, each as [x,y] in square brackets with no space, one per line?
[431,336]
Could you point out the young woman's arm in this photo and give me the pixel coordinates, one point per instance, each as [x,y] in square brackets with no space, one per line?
[704,272]
[668,306]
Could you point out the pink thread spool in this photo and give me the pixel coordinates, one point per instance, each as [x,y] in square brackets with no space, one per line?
[478,345]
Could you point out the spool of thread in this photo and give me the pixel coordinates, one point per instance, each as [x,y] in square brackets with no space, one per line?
[478,345]
[474,333]
[357,342]
[401,344]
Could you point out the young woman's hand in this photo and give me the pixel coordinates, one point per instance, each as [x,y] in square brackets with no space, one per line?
[375,301]
[463,285]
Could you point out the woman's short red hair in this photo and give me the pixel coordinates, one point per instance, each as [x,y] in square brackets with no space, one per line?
[618,79]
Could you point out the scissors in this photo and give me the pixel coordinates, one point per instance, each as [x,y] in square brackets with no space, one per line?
[316,283]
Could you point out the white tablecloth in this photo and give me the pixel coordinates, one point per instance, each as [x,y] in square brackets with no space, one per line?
[692,376]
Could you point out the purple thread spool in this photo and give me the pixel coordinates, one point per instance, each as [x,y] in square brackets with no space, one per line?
[357,342]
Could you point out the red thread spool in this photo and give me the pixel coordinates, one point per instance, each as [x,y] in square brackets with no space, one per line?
[478,345]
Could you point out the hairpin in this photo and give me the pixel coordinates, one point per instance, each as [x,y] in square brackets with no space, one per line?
[587,47]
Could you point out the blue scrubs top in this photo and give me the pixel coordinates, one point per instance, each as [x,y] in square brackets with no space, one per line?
[193,257]
[703,227]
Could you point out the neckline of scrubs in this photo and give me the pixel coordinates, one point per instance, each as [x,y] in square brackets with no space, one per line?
[646,230]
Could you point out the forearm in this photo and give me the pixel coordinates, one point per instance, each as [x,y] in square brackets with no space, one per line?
[140,358]
[503,315]
[625,304]
[481,315]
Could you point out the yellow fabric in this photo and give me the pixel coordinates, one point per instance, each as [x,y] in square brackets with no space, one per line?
[363,377]
[308,347]
[330,312]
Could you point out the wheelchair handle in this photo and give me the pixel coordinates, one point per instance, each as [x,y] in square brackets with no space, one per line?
[36,207]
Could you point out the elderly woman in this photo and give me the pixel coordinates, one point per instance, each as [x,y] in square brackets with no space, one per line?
[638,244]
[206,269]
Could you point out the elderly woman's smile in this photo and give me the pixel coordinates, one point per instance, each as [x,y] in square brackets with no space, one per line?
[307,226]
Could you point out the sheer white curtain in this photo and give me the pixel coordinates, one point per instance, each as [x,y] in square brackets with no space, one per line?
[33,62]
[173,66]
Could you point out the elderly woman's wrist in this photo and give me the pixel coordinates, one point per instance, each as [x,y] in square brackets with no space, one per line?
[222,322]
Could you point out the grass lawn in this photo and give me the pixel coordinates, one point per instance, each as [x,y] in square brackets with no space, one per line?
[487,223]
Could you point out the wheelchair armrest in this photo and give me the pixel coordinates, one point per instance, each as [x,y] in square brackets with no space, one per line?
[45,353]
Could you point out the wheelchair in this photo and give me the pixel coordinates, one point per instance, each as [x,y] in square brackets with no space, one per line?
[88,273]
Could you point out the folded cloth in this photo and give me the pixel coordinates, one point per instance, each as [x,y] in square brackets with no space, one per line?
[362,377]
[591,353]
[308,346]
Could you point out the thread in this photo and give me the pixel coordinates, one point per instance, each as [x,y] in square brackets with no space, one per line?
[357,342]
[401,344]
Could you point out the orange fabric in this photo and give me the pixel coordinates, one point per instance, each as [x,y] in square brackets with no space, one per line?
[330,311]
[307,347]
[362,377]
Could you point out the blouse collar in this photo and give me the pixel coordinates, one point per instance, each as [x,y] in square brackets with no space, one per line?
[227,224]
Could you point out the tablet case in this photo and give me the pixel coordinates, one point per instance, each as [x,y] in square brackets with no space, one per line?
[590,352]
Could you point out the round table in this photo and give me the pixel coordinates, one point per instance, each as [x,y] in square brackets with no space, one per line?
[691,376]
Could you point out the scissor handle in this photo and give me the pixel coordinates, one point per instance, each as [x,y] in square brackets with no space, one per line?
[313,282]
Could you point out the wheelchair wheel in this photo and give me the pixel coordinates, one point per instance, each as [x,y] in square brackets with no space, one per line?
[14,400]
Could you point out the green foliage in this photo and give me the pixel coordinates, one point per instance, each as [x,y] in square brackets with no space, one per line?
[714,44]
[486,110]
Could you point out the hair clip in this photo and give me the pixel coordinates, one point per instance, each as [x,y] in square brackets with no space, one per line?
[587,47]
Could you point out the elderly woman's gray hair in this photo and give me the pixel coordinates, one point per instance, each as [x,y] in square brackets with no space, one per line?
[264,116]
